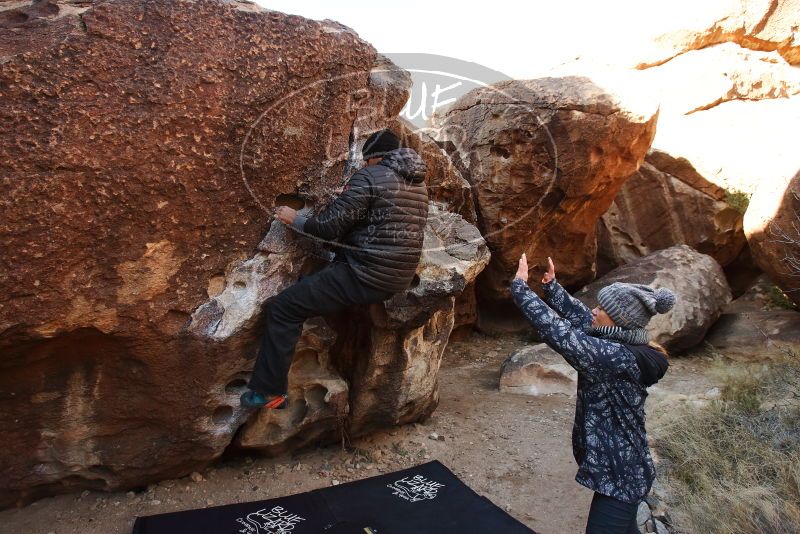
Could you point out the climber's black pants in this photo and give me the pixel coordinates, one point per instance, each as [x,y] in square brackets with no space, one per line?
[330,290]
[608,515]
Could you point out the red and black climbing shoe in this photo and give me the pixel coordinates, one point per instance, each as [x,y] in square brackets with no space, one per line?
[254,399]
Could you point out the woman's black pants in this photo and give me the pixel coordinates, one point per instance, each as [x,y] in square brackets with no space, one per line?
[608,515]
[332,289]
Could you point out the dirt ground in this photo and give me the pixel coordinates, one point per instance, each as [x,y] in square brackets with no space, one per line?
[514,449]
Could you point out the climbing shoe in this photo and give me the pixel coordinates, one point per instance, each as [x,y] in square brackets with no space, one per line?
[254,399]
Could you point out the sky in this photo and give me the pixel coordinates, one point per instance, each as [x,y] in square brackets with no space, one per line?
[520,39]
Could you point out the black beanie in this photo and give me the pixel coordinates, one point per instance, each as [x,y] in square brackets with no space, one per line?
[379,144]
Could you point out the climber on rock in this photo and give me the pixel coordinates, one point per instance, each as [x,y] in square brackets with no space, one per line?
[378,220]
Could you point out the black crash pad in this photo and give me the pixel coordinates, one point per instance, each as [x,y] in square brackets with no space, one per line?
[427,499]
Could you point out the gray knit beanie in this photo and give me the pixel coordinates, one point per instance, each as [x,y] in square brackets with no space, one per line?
[632,305]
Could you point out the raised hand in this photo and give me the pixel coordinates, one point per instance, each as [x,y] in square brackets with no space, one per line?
[522,268]
[551,271]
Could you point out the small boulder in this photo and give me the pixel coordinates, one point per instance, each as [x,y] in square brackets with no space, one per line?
[537,370]
[696,279]
[643,514]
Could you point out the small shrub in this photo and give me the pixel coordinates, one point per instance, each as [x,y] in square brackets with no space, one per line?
[778,299]
[397,448]
[361,455]
[738,200]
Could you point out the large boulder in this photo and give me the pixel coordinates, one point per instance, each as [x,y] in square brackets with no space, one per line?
[545,159]
[727,121]
[144,144]
[537,370]
[697,281]
[772,227]
[737,145]
[665,203]
[729,106]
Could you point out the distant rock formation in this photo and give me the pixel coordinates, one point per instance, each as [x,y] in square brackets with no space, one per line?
[763,26]
[665,203]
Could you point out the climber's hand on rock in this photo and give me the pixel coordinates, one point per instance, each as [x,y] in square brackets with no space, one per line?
[285,214]
[522,268]
[551,271]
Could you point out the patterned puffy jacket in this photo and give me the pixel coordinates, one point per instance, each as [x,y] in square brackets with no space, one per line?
[379,219]
[609,441]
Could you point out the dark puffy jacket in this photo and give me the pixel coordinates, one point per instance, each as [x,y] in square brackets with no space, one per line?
[379,218]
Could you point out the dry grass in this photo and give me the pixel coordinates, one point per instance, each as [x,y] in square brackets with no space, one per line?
[734,464]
